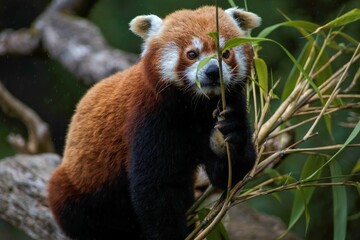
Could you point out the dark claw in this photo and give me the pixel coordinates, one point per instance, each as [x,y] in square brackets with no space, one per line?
[229,125]
[233,138]
[215,113]
[227,113]
[226,126]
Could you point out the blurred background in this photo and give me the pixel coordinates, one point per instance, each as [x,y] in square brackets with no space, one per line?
[46,87]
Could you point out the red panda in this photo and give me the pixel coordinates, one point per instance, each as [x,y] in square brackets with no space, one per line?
[137,137]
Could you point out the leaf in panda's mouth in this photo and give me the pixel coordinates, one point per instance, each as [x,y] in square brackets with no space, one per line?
[201,64]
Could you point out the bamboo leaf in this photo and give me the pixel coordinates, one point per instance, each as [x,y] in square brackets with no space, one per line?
[262,74]
[349,17]
[299,24]
[294,74]
[356,167]
[201,64]
[232,3]
[303,196]
[238,41]
[306,209]
[326,72]
[339,203]
[347,37]
[219,232]
[273,173]
[351,137]
[277,197]
[215,36]
[233,42]
[328,124]
[321,78]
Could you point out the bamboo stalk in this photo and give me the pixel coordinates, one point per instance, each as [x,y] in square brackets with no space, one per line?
[333,94]
[274,134]
[347,106]
[273,120]
[332,59]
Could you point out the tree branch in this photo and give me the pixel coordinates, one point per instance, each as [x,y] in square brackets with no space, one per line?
[23,180]
[73,41]
[39,139]
[21,42]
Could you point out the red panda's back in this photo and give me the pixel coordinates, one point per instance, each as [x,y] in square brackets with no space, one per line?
[97,143]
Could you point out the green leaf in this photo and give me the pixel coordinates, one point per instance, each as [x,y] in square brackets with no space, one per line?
[201,64]
[306,209]
[294,74]
[356,167]
[262,74]
[277,197]
[219,232]
[233,42]
[325,74]
[347,37]
[339,203]
[303,196]
[273,173]
[349,17]
[351,137]
[232,3]
[299,24]
[238,41]
[328,124]
[215,36]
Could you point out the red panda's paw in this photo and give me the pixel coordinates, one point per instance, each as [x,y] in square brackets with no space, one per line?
[229,125]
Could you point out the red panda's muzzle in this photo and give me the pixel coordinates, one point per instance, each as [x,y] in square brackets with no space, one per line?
[212,76]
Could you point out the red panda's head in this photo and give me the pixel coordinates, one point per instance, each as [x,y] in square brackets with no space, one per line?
[174,46]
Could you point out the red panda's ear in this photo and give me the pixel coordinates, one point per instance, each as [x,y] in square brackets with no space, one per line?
[245,20]
[146,25]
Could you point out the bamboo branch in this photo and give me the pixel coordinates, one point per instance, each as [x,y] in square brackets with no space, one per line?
[353,82]
[323,148]
[244,198]
[333,94]
[333,109]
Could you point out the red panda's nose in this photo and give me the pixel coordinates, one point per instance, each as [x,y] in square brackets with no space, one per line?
[212,73]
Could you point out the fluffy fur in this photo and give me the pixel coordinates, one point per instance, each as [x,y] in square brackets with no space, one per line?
[136,138]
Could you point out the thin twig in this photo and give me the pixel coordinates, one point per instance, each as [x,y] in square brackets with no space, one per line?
[324,148]
[241,199]
[353,82]
[332,97]
[333,109]
[274,119]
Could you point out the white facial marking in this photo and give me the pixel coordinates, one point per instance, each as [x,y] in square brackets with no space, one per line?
[197,44]
[191,73]
[221,42]
[168,62]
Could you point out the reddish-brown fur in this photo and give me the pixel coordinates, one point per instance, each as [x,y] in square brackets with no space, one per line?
[111,101]
[99,137]
[119,101]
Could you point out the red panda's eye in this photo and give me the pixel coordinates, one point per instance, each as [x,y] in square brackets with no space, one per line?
[191,54]
[226,54]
